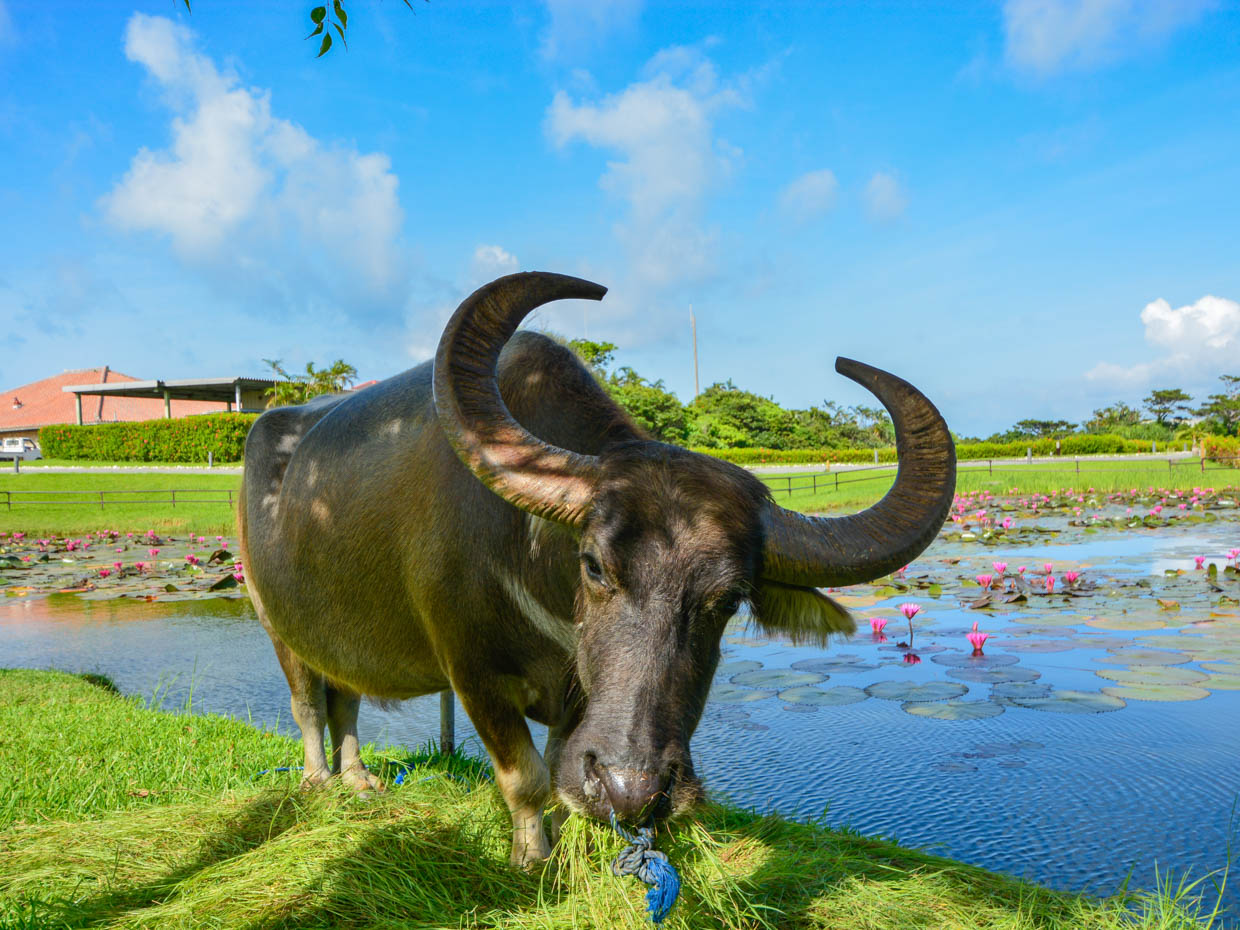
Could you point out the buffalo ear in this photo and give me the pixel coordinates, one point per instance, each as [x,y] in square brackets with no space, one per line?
[803,614]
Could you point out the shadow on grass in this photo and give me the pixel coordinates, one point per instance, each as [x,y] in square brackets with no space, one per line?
[259,821]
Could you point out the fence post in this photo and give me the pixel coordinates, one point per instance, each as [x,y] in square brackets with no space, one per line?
[1028,455]
[1078,463]
[990,466]
[1170,469]
[210,460]
[837,481]
[447,721]
[174,498]
[875,456]
[17,465]
[814,478]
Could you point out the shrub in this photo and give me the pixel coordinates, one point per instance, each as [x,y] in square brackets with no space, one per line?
[187,439]
[1221,449]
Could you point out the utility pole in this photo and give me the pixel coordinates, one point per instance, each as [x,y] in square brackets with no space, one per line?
[693,324]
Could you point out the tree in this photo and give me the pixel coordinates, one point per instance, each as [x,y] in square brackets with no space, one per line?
[324,22]
[597,355]
[297,389]
[652,407]
[1166,403]
[724,416]
[1112,419]
[1222,411]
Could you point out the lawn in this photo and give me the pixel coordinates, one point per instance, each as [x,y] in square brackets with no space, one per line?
[116,815]
[209,512]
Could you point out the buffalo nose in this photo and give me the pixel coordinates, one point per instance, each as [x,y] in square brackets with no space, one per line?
[633,794]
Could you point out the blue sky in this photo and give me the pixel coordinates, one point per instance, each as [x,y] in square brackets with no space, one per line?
[1026,208]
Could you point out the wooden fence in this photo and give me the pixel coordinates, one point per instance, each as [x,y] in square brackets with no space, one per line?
[170,496]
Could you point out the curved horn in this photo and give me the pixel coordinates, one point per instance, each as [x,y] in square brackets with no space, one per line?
[531,474]
[822,551]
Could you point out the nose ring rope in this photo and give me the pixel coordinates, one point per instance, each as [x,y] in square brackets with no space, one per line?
[640,858]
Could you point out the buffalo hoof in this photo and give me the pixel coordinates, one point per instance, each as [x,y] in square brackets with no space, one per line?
[312,779]
[361,780]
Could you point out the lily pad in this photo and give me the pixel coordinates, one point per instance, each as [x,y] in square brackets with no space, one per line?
[824,697]
[1222,683]
[915,692]
[1122,622]
[1049,620]
[1037,645]
[776,678]
[953,710]
[834,665]
[965,660]
[1011,690]
[1222,668]
[1134,656]
[1152,675]
[728,669]
[992,676]
[728,694]
[1073,702]
[1158,693]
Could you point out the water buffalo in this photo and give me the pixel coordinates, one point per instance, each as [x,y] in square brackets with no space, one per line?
[494,523]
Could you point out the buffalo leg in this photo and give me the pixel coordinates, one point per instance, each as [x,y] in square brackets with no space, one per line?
[309,703]
[342,707]
[520,773]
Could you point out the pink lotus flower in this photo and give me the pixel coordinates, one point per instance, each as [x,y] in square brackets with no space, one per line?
[1070,577]
[977,639]
[877,624]
[1008,523]
[1050,583]
[1021,569]
[1048,568]
[1000,567]
[117,566]
[1157,509]
[192,559]
[240,577]
[911,658]
[140,566]
[985,580]
[1234,553]
[104,572]
[1200,560]
[152,552]
[910,610]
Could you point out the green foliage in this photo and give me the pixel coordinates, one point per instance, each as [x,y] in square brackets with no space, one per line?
[1169,405]
[652,407]
[597,355]
[186,439]
[1112,419]
[1221,412]
[297,389]
[1221,449]
[1035,429]
[725,416]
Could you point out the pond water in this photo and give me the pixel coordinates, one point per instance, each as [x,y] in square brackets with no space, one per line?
[989,760]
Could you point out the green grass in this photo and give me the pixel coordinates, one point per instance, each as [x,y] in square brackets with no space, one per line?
[118,816]
[88,463]
[859,489]
[856,490]
[84,514]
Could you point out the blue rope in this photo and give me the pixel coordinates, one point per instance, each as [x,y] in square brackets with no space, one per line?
[640,858]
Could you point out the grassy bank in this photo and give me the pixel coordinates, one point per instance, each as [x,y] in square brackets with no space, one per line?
[77,509]
[114,815]
[856,489]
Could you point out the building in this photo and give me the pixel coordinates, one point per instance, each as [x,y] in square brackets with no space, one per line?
[101,395]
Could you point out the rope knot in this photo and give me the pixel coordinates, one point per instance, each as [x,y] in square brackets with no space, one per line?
[640,858]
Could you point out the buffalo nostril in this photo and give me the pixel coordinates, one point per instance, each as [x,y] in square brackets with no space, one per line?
[591,777]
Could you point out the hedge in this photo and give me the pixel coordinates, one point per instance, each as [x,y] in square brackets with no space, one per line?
[1221,449]
[1070,445]
[187,439]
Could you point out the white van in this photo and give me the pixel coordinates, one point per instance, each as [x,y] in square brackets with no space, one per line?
[19,448]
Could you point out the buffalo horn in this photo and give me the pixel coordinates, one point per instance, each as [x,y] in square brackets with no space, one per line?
[830,551]
[547,481]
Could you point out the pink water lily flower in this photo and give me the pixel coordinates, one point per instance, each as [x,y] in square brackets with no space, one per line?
[977,639]
[1070,577]
[877,624]
[152,552]
[1050,583]
[117,566]
[1008,523]
[1000,567]
[1048,568]
[985,580]
[104,572]
[911,658]
[910,610]
[1200,560]
[140,566]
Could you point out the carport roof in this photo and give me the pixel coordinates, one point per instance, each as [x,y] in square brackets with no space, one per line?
[222,390]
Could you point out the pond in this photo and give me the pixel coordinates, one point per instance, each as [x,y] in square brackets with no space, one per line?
[1097,735]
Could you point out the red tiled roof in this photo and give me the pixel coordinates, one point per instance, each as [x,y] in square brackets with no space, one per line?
[43,403]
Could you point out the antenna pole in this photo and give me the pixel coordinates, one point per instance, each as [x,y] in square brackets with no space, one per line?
[693,323]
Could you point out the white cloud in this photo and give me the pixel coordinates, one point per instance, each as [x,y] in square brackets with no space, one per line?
[1197,341]
[662,130]
[578,25]
[1045,36]
[810,196]
[253,199]
[885,199]
[491,262]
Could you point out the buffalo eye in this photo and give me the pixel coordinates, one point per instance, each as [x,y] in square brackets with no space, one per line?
[593,569]
[731,604]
